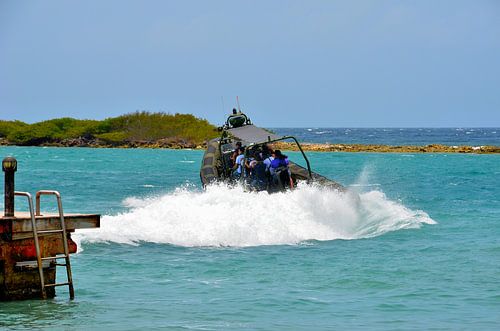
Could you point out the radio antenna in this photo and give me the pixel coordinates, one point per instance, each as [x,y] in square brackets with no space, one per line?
[238,102]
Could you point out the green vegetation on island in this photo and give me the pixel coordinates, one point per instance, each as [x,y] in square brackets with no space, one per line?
[161,130]
[139,129]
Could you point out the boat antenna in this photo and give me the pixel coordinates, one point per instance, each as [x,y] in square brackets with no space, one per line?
[222,99]
[238,102]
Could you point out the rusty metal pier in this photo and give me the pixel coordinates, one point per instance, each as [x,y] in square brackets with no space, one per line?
[32,242]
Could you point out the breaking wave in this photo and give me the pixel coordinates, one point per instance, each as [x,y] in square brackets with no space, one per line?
[228,216]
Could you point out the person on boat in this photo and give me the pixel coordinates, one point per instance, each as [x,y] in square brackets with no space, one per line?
[258,174]
[235,153]
[248,164]
[238,163]
[268,155]
[280,171]
[252,162]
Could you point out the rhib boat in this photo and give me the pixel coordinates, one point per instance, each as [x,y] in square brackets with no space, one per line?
[218,166]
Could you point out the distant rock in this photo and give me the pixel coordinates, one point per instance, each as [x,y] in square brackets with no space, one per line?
[180,143]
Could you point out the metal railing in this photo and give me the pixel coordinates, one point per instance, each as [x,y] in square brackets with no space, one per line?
[35,237]
[62,230]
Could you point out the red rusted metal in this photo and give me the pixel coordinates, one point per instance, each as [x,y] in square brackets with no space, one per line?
[17,245]
[72,246]
[22,272]
[5,226]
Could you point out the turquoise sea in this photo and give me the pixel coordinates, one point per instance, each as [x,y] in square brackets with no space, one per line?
[396,136]
[415,245]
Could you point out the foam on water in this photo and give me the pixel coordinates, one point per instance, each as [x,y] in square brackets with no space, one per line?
[226,216]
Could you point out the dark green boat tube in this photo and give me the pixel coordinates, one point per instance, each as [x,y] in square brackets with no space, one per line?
[209,172]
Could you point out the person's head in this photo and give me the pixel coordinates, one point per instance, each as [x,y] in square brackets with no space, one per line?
[238,144]
[234,111]
[258,158]
[241,150]
[277,154]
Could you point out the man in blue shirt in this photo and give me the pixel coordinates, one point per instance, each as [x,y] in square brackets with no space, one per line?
[238,163]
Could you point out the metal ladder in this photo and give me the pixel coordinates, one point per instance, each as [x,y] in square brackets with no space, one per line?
[62,231]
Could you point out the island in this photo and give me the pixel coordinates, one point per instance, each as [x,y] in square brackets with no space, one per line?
[144,129]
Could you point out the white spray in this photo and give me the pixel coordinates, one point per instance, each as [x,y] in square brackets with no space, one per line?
[226,216]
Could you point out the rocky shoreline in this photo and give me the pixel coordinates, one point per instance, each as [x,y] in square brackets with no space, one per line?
[354,148]
[171,143]
[177,143]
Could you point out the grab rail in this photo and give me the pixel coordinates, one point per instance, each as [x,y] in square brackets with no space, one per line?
[47,192]
[35,238]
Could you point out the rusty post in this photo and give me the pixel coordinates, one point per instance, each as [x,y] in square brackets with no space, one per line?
[9,166]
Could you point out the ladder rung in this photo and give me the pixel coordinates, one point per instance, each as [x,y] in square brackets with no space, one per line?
[32,264]
[54,257]
[57,284]
[50,231]
[61,264]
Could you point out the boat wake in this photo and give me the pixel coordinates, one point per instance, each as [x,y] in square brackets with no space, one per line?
[228,216]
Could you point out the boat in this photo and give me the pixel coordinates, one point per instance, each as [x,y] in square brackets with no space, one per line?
[217,165]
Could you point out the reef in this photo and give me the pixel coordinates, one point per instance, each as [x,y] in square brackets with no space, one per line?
[433,148]
[177,143]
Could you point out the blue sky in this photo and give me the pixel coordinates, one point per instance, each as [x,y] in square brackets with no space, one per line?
[293,63]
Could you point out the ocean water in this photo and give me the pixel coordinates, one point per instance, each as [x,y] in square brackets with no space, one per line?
[396,136]
[414,245]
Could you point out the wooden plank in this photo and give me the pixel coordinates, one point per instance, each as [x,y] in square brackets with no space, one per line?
[22,229]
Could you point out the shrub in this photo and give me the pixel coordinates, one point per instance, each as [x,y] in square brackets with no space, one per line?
[7,127]
[129,127]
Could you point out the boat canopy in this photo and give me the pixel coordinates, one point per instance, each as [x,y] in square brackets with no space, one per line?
[251,134]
